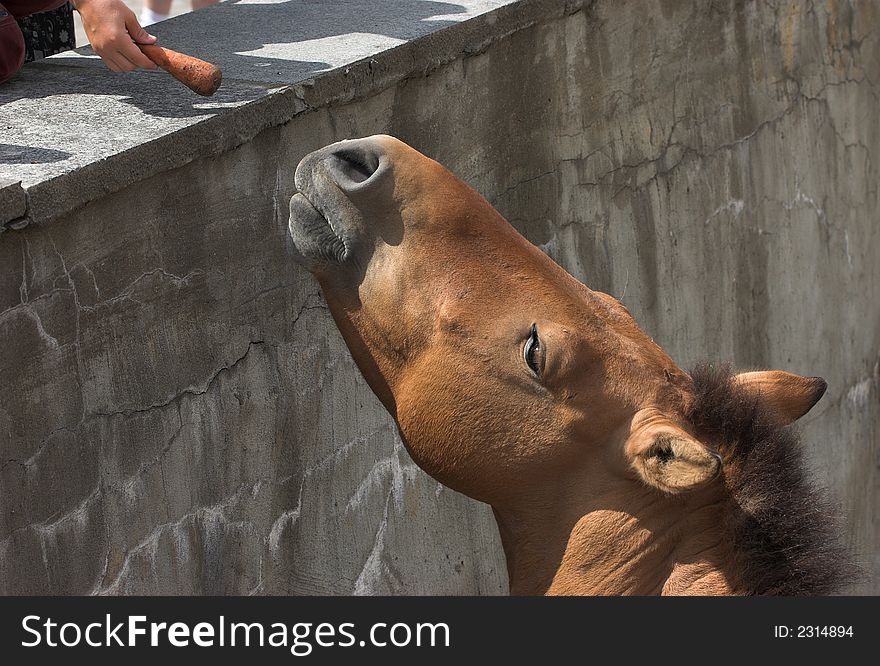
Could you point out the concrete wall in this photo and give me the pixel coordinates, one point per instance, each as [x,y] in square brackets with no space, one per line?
[180,415]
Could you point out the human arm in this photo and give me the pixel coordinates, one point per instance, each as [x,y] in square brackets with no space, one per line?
[113,30]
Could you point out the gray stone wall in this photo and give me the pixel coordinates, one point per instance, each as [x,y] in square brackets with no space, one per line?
[179,414]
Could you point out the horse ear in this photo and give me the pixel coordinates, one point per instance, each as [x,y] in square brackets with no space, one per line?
[789,396]
[669,459]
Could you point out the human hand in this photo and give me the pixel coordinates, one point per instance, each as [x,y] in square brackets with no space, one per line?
[113,30]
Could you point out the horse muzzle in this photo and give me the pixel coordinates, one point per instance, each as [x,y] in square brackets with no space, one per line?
[336,186]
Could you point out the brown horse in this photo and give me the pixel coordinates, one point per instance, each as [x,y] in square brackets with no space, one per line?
[609,469]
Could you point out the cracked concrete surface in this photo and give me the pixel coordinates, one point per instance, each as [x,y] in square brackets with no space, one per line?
[180,415]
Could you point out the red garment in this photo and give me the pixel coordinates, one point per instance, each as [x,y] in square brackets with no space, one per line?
[19,8]
[11,39]
[11,45]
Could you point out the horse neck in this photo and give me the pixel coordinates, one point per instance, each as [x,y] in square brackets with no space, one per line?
[608,547]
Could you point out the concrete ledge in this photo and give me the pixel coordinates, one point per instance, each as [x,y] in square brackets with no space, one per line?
[77,132]
[13,203]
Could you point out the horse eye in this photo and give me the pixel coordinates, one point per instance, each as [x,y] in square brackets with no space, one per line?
[533,352]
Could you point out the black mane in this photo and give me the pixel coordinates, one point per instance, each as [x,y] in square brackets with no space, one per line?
[785,530]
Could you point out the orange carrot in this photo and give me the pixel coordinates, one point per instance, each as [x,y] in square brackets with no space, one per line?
[199,76]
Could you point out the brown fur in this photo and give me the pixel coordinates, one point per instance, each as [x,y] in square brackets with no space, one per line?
[609,469]
[785,530]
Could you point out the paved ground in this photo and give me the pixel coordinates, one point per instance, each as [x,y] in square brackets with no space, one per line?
[177,7]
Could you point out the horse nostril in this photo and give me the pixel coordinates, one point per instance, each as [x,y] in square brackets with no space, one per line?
[352,166]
